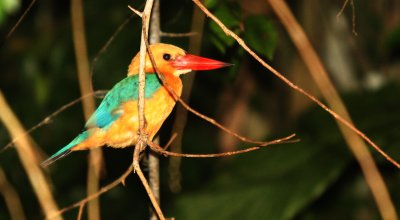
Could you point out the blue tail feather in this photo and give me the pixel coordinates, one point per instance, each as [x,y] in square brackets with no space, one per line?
[65,150]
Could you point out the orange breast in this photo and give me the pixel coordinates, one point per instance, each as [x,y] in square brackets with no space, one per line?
[123,132]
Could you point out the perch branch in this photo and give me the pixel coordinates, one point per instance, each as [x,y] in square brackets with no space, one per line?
[142,140]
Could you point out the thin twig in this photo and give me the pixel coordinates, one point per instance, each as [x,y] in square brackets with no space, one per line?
[139,172]
[120,180]
[138,13]
[189,34]
[80,212]
[108,43]
[164,152]
[240,41]
[328,90]
[341,9]
[170,141]
[16,25]
[353,16]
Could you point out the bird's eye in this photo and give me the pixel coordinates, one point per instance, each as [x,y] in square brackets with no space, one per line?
[166,56]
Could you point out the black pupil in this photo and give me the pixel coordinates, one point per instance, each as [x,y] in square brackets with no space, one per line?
[167,56]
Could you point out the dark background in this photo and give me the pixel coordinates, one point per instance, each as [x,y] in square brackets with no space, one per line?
[317,178]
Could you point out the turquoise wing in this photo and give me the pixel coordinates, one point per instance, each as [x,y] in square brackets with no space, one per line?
[126,90]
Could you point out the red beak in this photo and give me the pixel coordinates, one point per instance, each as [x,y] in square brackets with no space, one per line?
[193,62]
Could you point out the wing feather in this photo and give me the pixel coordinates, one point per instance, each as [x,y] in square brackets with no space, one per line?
[127,89]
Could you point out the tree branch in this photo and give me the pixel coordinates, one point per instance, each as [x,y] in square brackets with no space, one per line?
[142,140]
[28,159]
[160,150]
[154,161]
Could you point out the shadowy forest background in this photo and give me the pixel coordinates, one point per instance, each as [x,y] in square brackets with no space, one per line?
[316,178]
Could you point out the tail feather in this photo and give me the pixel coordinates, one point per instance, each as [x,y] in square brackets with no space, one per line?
[65,150]
[55,157]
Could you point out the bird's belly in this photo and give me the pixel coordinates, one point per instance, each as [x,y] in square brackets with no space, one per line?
[124,131]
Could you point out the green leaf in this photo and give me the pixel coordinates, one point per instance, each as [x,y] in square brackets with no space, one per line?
[210,4]
[261,35]
[229,15]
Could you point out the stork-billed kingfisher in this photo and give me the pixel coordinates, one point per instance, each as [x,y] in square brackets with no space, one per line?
[115,122]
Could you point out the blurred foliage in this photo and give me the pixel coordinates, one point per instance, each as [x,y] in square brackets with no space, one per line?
[392,43]
[258,31]
[316,178]
[7,7]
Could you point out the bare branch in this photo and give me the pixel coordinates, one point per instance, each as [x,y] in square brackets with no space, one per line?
[189,34]
[162,151]
[142,140]
[18,22]
[120,180]
[108,43]
[138,13]
[353,16]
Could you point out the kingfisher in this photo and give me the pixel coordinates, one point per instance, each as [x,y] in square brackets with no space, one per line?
[115,122]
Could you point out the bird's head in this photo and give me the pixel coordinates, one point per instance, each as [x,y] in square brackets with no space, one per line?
[173,60]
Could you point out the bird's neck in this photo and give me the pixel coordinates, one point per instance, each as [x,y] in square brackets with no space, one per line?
[174,82]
